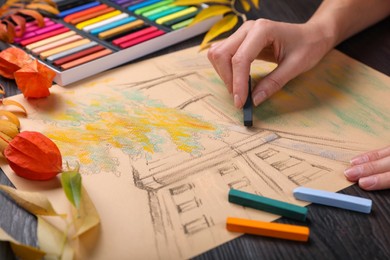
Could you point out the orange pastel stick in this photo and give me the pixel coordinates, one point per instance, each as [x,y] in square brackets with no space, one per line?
[269,229]
[91,15]
[86,59]
[70,17]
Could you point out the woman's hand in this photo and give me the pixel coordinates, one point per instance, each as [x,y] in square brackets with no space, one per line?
[296,48]
[371,170]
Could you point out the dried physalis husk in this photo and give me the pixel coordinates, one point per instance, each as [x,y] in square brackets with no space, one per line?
[33,156]
[34,80]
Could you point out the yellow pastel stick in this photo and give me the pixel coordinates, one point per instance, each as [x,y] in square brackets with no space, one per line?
[62,48]
[176,15]
[97,19]
[120,29]
[269,229]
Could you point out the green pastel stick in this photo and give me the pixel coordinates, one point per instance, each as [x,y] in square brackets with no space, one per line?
[153,6]
[157,10]
[181,18]
[182,24]
[171,10]
[266,204]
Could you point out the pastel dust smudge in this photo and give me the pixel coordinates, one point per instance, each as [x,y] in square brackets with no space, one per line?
[87,131]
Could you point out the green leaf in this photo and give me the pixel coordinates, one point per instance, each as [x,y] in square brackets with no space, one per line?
[71,184]
[224,25]
[210,12]
[200,2]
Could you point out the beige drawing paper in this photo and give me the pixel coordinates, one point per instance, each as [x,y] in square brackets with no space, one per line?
[160,144]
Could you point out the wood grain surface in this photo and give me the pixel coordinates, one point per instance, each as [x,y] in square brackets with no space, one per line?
[335,233]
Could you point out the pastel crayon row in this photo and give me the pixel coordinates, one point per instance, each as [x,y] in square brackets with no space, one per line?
[268,229]
[57,41]
[267,204]
[333,199]
[87,30]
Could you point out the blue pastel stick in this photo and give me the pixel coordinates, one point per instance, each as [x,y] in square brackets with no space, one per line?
[142,4]
[333,199]
[112,25]
[77,9]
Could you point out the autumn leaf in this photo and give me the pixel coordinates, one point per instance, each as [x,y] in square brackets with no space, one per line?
[245,5]
[10,102]
[210,12]
[224,25]
[53,241]
[200,2]
[11,117]
[86,217]
[33,202]
[256,3]
[22,251]
[34,80]
[14,12]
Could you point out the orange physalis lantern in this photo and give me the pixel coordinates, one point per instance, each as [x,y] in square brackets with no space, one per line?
[11,60]
[33,156]
[34,80]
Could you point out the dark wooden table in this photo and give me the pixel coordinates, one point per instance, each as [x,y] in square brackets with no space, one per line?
[335,233]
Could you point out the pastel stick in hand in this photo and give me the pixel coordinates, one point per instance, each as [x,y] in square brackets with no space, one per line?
[248,106]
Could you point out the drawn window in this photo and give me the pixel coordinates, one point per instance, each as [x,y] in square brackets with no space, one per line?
[188,205]
[239,184]
[196,225]
[181,188]
[267,153]
[227,169]
[285,164]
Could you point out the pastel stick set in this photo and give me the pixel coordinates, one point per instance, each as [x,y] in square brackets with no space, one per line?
[89,36]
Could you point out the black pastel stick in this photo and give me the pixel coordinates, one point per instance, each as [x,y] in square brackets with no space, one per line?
[248,106]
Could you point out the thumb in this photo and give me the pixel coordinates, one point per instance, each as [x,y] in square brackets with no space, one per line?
[276,80]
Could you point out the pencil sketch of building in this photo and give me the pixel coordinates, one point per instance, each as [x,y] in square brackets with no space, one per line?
[260,161]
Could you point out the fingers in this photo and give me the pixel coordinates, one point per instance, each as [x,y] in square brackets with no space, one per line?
[273,82]
[232,57]
[247,52]
[371,156]
[220,54]
[371,170]
[375,182]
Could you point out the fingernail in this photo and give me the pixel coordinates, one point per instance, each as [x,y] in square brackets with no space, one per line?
[359,160]
[367,182]
[259,97]
[353,173]
[237,101]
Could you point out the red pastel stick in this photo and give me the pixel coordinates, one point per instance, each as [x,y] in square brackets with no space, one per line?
[141,39]
[78,55]
[132,36]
